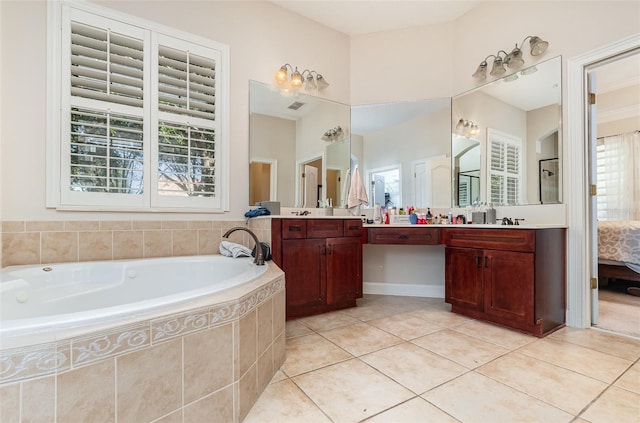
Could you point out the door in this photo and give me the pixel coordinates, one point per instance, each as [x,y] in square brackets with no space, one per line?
[344,270]
[508,286]
[438,175]
[310,195]
[304,265]
[593,207]
[463,278]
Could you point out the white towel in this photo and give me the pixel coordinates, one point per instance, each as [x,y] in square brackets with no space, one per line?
[231,249]
[345,189]
[357,193]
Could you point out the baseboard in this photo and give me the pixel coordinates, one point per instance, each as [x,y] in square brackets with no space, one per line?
[404,289]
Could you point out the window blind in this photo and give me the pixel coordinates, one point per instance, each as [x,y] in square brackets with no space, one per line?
[106,66]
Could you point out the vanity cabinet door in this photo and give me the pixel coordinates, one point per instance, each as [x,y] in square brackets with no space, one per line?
[344,270]
[509,287]
[463,278]
[304,264]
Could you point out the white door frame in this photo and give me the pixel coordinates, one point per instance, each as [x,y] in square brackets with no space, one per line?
[576,181]
[321,155]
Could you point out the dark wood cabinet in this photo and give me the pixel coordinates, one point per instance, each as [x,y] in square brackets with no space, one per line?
[512,277]
[322,261]
[404,236]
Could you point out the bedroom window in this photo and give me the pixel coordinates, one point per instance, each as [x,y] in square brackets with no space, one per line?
[618,176]
[140,116]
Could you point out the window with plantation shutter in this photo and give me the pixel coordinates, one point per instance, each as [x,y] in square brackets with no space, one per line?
[142,121]
[505,168]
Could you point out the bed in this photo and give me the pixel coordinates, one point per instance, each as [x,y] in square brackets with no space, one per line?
[619,250]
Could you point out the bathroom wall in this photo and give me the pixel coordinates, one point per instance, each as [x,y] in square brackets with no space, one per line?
[261,37]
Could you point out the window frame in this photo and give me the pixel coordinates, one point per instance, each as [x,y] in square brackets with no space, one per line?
[58,118]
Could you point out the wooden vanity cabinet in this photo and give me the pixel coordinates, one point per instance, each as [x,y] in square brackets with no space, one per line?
[511,277]
[322,261]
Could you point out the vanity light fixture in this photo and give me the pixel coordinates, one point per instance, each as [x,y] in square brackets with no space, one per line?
[309,78]
[467,128]
[336,134]
[512,60]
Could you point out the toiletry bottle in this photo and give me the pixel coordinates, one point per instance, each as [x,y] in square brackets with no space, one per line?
[429,215]
[377,214]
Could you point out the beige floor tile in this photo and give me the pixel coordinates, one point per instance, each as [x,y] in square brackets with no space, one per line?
[414,367]
[360,338]
[278,377]
[463,349]
[414,410]
[310,352]
[566,390]
[615,405]
[351,391]
[583,360]
[476,398]
[327,321]
[598,340]
[504,337]
[405,325]
[370,311]
[284,402]
[441,316]
[630,380]
[293,329]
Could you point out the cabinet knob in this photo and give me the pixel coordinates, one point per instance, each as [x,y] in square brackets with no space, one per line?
[295,228]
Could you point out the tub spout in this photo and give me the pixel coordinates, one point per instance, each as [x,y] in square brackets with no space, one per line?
[259,260]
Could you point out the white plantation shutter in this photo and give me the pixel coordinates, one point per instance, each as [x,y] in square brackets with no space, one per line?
[505,168]
[187,83]
[140,124]
[188,126]
[106,65]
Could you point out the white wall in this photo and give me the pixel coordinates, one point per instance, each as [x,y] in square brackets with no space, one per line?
[275,138]
[261,37]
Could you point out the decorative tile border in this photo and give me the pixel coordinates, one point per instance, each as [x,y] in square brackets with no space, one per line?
[39,360]
[35,361]
[118,341]
[178,325]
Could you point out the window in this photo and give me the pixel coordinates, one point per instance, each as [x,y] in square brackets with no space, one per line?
[505,168]
[140,119]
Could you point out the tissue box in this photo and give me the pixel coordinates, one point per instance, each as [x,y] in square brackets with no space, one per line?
[478,218]
[272,206]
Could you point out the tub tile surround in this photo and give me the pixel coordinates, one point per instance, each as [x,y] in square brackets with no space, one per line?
[158,369]
[462,370]
[39,242]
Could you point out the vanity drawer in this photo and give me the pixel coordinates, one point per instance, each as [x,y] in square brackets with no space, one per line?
[294,228]
[404,236]
[324,228]
[522,240]
[353,227]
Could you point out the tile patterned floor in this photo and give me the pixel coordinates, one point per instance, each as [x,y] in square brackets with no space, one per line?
[404,360]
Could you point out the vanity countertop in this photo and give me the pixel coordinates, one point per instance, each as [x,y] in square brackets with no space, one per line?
[470,226]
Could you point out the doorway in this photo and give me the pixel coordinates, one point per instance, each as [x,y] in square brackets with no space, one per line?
[614,144]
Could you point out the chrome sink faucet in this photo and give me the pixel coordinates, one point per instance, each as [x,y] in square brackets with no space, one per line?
[259,260]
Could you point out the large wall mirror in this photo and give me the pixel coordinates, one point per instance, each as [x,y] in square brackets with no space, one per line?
[299,152]
[403,151]
[506,139]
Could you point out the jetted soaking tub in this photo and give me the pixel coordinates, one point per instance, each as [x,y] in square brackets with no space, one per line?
[58,317]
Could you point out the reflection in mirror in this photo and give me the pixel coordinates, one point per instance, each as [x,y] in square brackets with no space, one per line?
[517,140]
[465,156]
[289,161]
[404,152]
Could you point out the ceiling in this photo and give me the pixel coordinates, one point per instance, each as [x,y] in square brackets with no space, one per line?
[355,17]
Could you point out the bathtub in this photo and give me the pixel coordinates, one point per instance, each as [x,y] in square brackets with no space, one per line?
[57,296]
[57,318]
